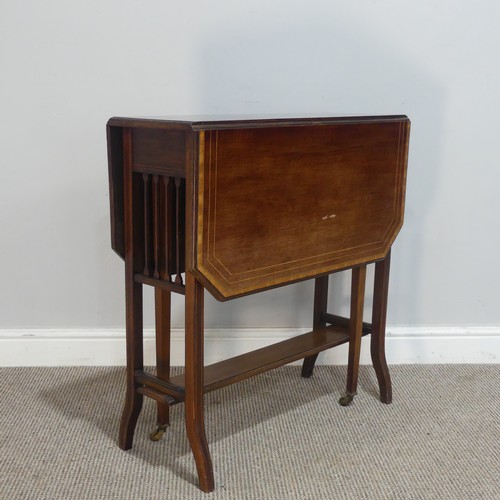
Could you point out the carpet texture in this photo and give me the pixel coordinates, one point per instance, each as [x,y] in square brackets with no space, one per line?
[276,436]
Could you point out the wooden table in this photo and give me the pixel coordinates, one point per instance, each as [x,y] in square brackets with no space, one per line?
[239,206]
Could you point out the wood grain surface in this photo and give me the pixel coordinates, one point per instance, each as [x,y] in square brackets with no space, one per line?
[281,204]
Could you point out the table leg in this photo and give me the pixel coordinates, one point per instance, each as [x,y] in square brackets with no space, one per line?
[320,306]
[381,289]
[162,319]
[355,332]
[133,303]
[195,424]
[133,400]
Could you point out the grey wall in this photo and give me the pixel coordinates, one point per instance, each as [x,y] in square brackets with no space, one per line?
[66,67]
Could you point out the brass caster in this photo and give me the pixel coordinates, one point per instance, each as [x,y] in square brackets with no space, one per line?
[346,399]
[158,433]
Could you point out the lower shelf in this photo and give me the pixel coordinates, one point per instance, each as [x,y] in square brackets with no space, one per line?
[261,360]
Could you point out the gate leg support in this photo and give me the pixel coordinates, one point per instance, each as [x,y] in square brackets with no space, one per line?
[162,319]
[355,332]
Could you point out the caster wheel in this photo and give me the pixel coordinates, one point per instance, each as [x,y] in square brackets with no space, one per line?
[346,399]
[158,433]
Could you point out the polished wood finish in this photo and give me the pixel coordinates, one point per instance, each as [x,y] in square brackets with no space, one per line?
[377,348]
[162,319]
[334,319]
[180,217]
[133,299]
[165,387]
[116,173]
[173,137]
[237,206]
[268,358]
[319,320]
[355,327]
[357,175]
[159,397]
[161,283]
[146,178]
[159,151]
[195,424]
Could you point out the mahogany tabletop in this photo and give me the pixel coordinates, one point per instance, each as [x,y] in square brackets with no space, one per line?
[272,200]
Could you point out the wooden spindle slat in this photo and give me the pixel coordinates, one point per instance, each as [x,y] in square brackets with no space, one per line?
[167,228]
[156,226]
[182,228]
[178,229]
[147,224]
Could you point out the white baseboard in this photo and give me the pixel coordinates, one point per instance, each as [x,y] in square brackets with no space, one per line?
[404,345]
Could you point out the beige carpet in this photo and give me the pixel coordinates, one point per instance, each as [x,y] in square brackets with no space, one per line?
[277,436]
